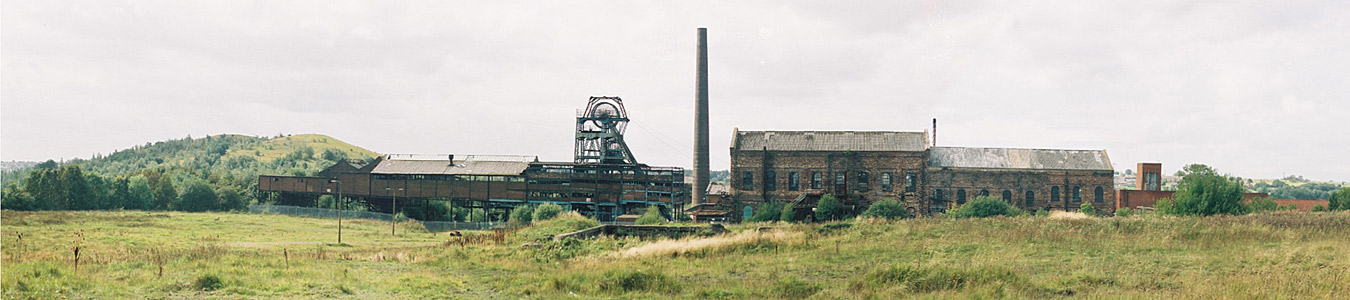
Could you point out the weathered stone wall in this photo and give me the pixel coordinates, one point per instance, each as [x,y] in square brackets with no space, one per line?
[1042,183]
[853,190]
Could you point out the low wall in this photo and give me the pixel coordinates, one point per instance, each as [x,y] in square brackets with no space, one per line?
[642,230]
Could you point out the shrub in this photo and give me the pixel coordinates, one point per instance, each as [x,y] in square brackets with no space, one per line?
[1087,209]
[1124,212]
[984,206]
[886,208]
[1340,200]
[829,208]
[1319,208]
[767,212]
[520,216]
[1262,204]
[789,213]
[546,211]
[1042,213]
[1204,194]
[208,282]
[651,217]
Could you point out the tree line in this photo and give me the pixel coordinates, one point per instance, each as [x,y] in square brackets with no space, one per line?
[185,175]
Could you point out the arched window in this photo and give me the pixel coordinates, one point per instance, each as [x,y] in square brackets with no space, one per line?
[938,195]
[960,197]
[1077,194]
[1054,194]
[984,193]
[1097,195]
[1007,196]
[862,180]
[747,212]
[815,180]
[1031,199]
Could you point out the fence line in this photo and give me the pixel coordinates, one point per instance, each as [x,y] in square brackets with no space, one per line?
[313,212]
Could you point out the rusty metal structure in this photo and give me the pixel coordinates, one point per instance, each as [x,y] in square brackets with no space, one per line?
[603,182]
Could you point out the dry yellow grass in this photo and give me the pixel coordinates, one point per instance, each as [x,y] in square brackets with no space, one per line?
[716,244]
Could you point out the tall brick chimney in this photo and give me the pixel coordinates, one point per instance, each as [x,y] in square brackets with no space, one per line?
[701,119]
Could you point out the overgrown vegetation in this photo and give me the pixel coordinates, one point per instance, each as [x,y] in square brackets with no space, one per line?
[983,207]
[886,208]
[214,173]
[651,217]
[220,255]
[1203,192]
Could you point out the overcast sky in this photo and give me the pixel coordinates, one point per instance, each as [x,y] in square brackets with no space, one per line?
[1259,89]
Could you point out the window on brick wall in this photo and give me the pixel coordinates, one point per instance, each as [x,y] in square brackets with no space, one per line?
[984,193]
[1007,196]
[747,180]
[886,182]
[1030,199]
[1054,194]
[960,197]
[1077,194]
[1097,195]
[794,181]
[770,181]
[938,194]
[816,180]
[911,182]
[862,180]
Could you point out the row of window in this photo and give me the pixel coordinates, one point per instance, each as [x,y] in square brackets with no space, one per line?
[860,179]
[1029,199]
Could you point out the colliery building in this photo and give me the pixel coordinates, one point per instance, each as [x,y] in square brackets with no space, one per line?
[862,167]
[603,182]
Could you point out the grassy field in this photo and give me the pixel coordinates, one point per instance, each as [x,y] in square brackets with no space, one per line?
[226,255]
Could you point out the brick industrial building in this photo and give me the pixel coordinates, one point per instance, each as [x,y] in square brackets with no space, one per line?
[862,167]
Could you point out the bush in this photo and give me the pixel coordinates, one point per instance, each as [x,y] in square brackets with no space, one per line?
[829,209]
[1087,209]
[651,217]
[520,216]
[1204,194]
[1319,208]
[789,213]
[1124,212]
[984,206]
[886,208]
[208,282]
[1262,204]
[546,211]
[767,212]
[1340,200]
[1042,213]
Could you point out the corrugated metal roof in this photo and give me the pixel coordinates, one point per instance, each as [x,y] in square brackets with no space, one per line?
[444,167]
[1009,158]
[831,140]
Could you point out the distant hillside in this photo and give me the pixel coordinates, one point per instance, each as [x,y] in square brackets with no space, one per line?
[228,159]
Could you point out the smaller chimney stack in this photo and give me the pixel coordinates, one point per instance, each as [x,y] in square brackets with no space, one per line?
[934,132]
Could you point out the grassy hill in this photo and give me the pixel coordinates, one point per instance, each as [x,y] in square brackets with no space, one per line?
[275,148]
[229,159]
[231,255]
[207,173]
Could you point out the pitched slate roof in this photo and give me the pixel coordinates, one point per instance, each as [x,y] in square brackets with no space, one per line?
[830,140]
[470,165]
[1010,158]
